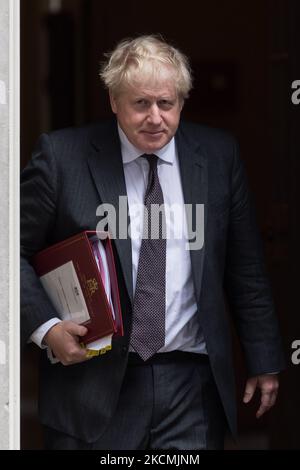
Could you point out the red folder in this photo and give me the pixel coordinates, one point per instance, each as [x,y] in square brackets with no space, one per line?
[78,250]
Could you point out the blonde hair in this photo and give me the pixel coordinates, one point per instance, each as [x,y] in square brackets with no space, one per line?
[148,58]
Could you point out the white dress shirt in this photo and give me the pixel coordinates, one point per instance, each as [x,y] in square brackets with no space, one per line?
[183,331]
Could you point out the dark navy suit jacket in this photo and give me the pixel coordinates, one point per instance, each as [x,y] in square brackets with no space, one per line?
[75,170]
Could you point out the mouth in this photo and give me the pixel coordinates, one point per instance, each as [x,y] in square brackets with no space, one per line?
[153,133]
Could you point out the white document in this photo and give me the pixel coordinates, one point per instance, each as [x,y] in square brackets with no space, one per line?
[63,287]
[102,343]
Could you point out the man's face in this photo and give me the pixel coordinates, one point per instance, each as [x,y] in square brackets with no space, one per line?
[148,114]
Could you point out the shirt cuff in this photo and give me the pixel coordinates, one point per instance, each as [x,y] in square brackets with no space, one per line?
[38,334]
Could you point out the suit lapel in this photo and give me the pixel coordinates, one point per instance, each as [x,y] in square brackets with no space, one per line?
[106,166]
[193,170]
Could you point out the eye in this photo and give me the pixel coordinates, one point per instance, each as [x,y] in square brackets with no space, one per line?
[166,104]
[141,102]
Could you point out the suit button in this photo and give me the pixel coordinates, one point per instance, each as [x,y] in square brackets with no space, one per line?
[124,350]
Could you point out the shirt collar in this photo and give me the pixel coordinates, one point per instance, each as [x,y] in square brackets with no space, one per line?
[131,153]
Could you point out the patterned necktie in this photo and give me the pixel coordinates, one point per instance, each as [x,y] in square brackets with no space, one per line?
[148,329]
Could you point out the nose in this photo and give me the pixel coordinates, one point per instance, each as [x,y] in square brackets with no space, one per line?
[154,116]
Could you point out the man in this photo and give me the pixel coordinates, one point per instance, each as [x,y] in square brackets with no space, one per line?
[169,382]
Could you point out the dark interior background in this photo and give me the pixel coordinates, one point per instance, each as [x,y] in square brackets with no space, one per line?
[245,56]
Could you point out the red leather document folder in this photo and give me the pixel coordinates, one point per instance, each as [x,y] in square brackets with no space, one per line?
[79,292]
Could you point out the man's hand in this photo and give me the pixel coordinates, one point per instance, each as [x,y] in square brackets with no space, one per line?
[64,341]
[268,384]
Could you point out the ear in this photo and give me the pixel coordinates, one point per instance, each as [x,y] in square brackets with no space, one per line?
[113,103]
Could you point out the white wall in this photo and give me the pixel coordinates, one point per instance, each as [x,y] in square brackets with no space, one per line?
[9,293]
[4,223]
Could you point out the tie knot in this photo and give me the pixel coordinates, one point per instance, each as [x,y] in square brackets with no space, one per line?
[152,160]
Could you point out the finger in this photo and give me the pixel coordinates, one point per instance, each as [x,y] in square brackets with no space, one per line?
[267,401]
[249,390]
[82,330]
[270,399]
[77,330]
[262,409]
[74,355]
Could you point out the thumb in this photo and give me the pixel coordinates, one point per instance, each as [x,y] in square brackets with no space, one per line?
[78,330]
[250,389]
[82,330]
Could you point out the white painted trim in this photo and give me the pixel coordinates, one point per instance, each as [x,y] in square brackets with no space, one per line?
[14,219]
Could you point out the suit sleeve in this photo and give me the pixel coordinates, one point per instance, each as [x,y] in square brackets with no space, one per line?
[246,281]
[39,189]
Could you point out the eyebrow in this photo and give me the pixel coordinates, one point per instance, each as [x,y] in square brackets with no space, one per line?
[159,98]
